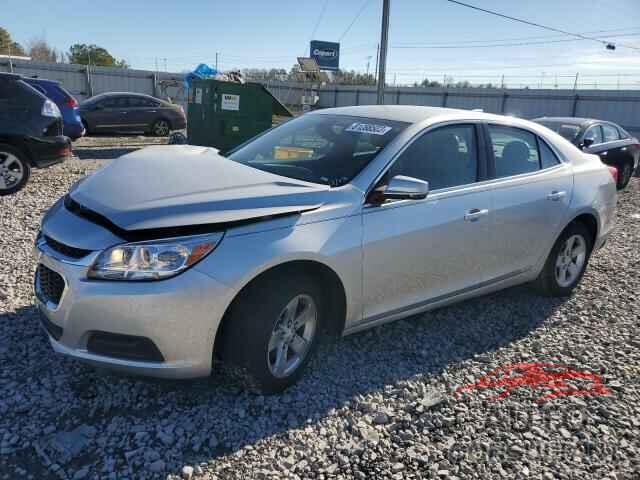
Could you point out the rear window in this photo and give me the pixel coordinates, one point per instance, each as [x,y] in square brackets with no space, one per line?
[16,90]
[570,131]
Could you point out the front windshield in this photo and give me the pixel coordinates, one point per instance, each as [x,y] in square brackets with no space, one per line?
[319,148]
[570,131]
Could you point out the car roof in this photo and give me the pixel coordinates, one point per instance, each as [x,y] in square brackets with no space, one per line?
[398,113]
[40,80]
[583,122]
[10,76]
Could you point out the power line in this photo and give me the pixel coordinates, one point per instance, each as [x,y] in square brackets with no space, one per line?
[491,45]
[364,5]
[534,24]
[315,28]
[608,33]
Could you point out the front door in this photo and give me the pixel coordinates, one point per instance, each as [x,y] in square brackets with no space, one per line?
[416,252]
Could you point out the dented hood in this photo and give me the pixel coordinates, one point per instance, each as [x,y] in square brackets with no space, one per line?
[181,185]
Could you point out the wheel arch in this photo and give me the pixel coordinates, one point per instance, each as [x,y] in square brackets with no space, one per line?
[327,276]
[591,221]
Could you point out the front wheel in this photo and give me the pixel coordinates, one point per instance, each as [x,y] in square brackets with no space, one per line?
[272,330]
[14,170]
[566,263]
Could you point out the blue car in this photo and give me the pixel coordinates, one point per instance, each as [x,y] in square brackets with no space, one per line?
[68,105]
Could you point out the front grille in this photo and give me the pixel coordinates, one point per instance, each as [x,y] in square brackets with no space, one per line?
[66,250]
[52,329]
[127,347]
[49,285]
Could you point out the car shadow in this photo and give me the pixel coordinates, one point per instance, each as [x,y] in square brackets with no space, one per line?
[188,422]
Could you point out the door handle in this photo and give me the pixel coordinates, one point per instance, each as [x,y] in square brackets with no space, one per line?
[475,213]
[556,195]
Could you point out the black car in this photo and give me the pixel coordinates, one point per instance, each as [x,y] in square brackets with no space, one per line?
[613,144]
[131,112]
[30,133]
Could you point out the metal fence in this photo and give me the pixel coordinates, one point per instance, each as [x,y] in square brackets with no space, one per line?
[619,106]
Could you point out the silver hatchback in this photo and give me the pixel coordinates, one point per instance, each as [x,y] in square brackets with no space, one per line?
[172,257]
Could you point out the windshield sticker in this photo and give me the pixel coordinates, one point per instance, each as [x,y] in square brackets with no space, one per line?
[369,128]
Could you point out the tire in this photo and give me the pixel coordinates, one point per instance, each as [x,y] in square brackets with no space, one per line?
[256,327]
[15,169]
[624,175]
[161,128]
[87,131]
[551,282]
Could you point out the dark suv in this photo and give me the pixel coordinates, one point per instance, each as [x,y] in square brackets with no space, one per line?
[30,133]
[131,112]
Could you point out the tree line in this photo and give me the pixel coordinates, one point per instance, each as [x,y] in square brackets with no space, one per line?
[39,49]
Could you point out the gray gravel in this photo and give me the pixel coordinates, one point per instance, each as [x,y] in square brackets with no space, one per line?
[380,404]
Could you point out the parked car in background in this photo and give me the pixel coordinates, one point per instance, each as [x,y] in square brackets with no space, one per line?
[130,113]
[612,143]
[30,132]
[336,221]
[66,102]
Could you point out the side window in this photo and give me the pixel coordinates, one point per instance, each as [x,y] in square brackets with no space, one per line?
[595,134]
[548,159]
[515,151]
[445,157]
[623,133]
[610,133]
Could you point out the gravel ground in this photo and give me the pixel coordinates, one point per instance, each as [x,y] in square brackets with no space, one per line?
[381,404]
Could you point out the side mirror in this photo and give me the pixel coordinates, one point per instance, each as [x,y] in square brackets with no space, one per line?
[587,142]
[406,188]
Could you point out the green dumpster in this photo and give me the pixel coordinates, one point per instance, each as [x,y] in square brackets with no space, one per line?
[225,114]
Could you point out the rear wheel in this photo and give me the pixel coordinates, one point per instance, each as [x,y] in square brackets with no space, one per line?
[566,263]
[624,175]
[272,330]
[160,128]
[14,169]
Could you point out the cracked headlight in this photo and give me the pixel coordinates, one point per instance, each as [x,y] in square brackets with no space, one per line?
[153,260]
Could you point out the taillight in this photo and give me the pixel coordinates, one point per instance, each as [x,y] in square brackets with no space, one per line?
[71,102]
[614,173]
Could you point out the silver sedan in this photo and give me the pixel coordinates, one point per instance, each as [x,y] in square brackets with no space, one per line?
[173,257]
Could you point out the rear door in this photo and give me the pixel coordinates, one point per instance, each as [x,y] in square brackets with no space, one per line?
[142,112]
[618,151]
[531,194]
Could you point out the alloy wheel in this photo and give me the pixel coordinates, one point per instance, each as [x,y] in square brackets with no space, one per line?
[11,170]
[292,336]
[161,128]
[571,260]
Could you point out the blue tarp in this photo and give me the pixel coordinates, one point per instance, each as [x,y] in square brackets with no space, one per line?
[201,71]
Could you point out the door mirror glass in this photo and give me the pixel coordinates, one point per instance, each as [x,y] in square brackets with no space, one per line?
[406,188]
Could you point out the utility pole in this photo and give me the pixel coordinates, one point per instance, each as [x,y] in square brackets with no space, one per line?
[502,82]
[575,83]
[384,40]
[377,58]
[216,60]
[368,63]
[10,61]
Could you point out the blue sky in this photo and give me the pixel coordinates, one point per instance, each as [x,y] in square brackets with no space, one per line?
[252,33]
